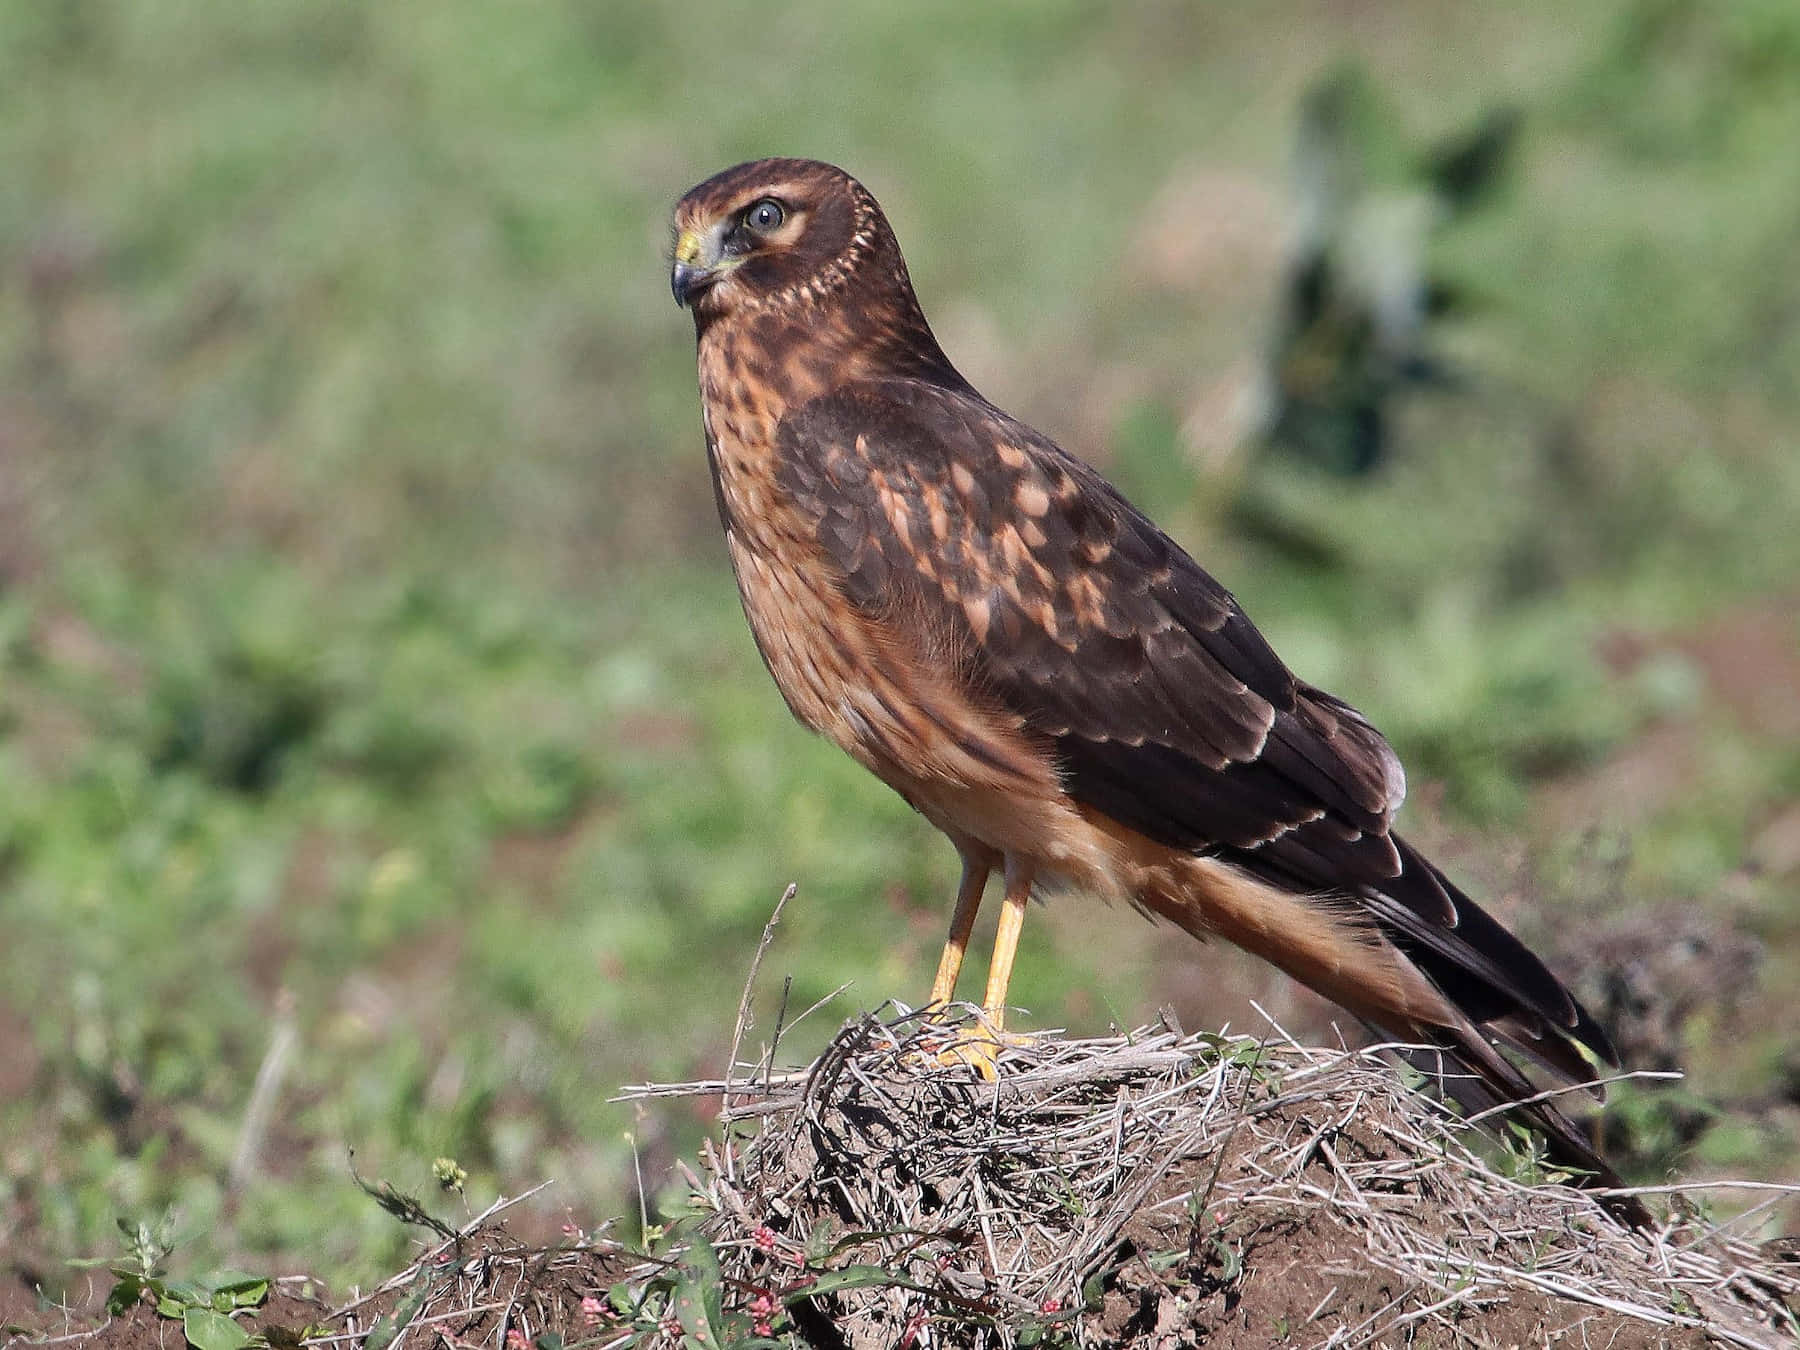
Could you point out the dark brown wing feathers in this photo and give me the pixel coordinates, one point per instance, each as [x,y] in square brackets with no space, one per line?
[1167,709]
[1090,653]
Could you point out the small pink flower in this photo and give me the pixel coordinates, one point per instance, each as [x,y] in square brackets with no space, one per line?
[765,1239]
[515,1340]
[669,1325]
[592,1310]
[1050,1307]
[762,1329]
[762,1305]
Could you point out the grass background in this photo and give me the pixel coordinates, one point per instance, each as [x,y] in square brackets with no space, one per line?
[371,678]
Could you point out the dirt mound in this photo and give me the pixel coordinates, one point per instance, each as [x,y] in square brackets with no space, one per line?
[1151,1190]
[1166,1190]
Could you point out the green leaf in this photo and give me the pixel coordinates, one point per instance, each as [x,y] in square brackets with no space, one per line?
[820,1242]
[244,1290]
[714,1297]
[701,1282]
[693,1309]
[855,1277]
[390,1325]
[702,1261]
[209,1330]
[186,1292]
[1093,1292]
[124,1294]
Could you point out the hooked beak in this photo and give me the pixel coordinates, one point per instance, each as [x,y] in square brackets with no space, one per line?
[699,262]
[686,280]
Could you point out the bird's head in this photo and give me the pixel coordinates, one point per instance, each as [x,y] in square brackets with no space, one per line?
[776,230]
[796,242]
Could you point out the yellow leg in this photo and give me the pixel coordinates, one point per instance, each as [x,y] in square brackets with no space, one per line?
[976,867]
[980,1049]
[1006,942]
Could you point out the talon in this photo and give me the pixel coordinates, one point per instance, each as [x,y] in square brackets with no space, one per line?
[981,1047]
[978,1052]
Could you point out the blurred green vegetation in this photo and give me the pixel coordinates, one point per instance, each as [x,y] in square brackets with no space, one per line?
[368,662]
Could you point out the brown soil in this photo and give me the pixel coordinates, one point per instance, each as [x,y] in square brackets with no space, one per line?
[1146,1192]
[283,1319]
[1293,1280]
[1300,1277]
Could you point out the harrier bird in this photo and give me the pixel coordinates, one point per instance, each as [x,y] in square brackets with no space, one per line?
[984,622]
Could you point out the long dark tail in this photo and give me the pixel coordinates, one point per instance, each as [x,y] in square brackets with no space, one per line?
[1477,987]
[1471,1071]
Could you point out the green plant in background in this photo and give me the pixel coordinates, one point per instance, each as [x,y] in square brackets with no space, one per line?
[203,1306]
[365,646]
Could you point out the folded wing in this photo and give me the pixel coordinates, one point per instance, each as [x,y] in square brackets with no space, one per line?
[1167,709]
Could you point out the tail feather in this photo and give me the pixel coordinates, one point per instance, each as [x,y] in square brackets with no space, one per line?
[1343,950]
[1472,1072]
[1561,1056]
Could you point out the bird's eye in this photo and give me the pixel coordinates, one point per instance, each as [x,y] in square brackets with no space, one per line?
[766,215]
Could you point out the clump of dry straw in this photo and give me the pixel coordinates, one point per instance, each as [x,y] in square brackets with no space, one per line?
[1155,1187]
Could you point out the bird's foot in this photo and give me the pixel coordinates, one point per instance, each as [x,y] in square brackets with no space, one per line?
[978,1045]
